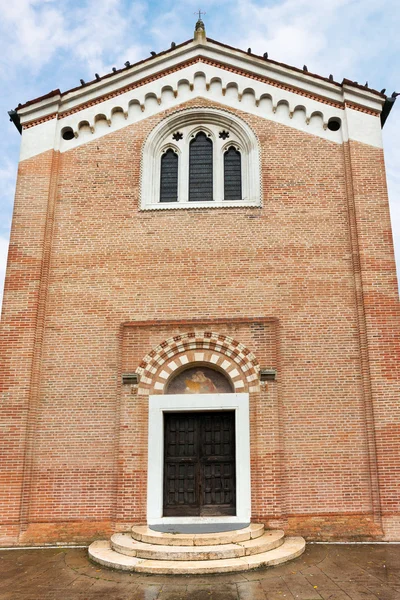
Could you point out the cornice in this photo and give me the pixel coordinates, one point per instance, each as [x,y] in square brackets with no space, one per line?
[204,60]
[30,124]
[360,108]
[130,87]
[212,53]
[272,82]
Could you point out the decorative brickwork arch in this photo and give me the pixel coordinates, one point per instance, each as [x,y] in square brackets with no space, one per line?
[212,349]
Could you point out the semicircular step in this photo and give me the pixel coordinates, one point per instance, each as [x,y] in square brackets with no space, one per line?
[102,553]
[125,544]
[142,533]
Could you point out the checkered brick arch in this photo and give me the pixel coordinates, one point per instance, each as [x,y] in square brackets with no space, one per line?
[212,349]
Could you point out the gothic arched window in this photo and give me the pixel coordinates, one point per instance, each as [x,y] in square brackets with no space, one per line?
[201,169]
[201,157]
[232,174]
[169,176]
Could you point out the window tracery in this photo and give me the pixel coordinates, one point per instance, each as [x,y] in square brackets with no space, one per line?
[187,163]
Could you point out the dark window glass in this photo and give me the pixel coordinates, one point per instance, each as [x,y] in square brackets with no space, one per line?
[169,177]
[201,169]
[232,174]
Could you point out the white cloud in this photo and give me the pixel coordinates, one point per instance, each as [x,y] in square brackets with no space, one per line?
[328,36]
[3,263]
[34,31]
[102,26]
[7,187]
[8,175]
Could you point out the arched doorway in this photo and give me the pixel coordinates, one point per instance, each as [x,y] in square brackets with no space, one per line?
[199,450]
[201,373]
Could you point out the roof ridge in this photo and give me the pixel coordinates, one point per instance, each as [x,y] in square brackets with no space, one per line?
[175,47]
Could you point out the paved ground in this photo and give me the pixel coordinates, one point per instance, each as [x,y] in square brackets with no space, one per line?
[324,572]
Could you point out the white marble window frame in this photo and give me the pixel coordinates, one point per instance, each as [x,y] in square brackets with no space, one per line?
[160,404]
[189,122]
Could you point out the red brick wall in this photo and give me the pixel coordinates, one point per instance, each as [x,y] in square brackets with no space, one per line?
[21,335]
[380,301]
[317,259]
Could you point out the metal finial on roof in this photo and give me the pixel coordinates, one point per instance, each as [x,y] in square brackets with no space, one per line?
[199,20]
[199,30]
[199,24]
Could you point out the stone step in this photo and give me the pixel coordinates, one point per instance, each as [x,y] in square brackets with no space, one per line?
[101,552]
[125,544]
[142,533]
[269,540]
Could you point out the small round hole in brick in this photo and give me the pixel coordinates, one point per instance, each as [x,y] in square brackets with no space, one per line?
[334,124]
[67,134]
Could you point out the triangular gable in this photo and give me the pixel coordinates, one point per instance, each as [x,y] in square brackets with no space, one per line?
[206,69]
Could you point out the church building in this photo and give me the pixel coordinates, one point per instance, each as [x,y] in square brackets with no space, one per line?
[200,327]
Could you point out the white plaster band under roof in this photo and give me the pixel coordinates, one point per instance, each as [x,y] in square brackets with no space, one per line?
[155,472]
[308,115]
[208,49]
[201,80]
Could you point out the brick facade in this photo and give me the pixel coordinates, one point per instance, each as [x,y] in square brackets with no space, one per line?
[305,285]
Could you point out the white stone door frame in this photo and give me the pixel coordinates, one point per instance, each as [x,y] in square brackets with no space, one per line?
[155,472]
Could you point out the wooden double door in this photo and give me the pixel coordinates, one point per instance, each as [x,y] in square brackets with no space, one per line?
[199,464]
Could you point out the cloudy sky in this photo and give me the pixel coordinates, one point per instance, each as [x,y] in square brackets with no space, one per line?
[48,44]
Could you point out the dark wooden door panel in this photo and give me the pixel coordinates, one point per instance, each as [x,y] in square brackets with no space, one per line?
[199,464]
[181,437]
[218,491]
[181,468]
[218,464]
[181,486]
[218,435]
